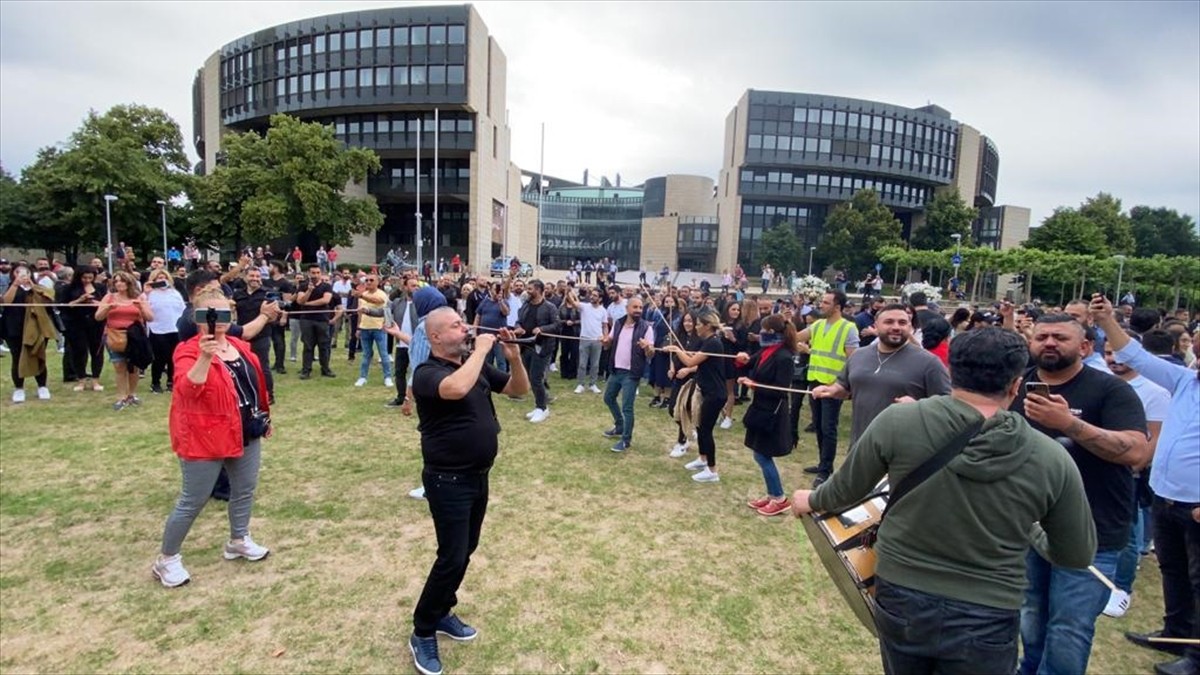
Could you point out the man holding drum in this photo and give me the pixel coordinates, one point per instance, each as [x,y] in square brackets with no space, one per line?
[951,558]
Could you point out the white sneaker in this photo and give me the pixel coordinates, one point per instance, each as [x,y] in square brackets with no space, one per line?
[579,389]
[417,493]
[18,395]
[696,464]
[389,382]
[595,390]
[170,571]
[360,382]
[247,549]
[43,393]
[539,415]
[529,415]
[679,450]
[706,476]
[1118,604]
[554,367]
[727,423]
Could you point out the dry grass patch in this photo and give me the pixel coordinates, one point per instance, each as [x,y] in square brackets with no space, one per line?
[590,561]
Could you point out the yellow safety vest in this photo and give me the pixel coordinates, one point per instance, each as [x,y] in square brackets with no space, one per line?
[827,354]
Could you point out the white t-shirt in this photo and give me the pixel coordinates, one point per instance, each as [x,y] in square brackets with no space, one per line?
[591,321]
[1155,399]
[514,309]
[343,288]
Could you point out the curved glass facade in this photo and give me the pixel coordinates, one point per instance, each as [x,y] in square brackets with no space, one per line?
[590,223]
[805,153]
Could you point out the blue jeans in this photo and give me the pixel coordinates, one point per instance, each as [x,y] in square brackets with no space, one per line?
[1058,617]
[625,383]
[370,338]
[1127,561]
[770,475]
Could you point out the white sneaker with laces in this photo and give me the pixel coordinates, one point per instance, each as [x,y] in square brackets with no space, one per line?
[389,382]
[1118,604]
[679,450]
[579,389]
[727,423]
[170,571]
[595,390]
[43,393]
[529,415]
[696,464]
[417,493]
[18,396]
[539,415]
[706,476]
[554,367]
[246,548]
[362,381]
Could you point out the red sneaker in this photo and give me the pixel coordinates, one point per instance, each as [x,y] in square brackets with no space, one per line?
[775,508]
[757,504]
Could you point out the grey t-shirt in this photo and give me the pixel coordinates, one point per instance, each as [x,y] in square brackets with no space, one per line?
[911,371]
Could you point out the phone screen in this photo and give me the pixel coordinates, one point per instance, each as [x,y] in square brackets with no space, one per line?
[1040,388]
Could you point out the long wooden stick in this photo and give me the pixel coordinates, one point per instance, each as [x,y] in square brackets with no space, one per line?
[1103,579]
[1175,641]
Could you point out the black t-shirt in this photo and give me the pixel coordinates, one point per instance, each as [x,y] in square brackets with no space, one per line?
[1107,402]
[249,305]
[924,316]
[317,291]
[710,376]
[457,436]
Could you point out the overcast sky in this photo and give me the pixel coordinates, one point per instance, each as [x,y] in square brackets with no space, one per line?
[1078,97]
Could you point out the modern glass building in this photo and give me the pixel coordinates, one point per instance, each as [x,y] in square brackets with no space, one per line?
[582,222]
[397,81]
[792,157]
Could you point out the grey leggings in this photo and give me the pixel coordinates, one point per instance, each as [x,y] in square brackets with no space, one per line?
[199,477]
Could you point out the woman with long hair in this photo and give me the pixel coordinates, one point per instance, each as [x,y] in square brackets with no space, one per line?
[219,414]
[23,324]
[568,321]
[710,379]
[83,333]
[767,418]
[660,364]
[167,306]
[688,339]
[752,319]
[735,338]
[120,309]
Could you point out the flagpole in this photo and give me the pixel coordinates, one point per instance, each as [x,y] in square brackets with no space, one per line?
[537,259]
[420,128]
[437,169]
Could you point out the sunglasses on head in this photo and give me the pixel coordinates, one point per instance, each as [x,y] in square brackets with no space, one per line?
[222,315]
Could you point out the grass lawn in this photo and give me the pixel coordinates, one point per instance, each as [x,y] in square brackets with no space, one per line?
[590,561]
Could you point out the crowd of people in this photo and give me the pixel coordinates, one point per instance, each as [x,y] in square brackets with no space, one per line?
[1080,419]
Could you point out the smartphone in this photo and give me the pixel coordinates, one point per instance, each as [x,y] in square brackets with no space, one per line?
[212,322]
[159,284]
[1040,388]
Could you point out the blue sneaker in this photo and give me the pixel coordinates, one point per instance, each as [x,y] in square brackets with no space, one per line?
[621,446]
[425,655]
[612,433]
[452,627]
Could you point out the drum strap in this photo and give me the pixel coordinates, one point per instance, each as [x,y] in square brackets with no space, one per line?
[931,466]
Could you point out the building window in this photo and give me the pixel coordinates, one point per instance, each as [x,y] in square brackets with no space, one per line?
[319,82]
[350,39]
[457,34]
[292,85]
[437,74]
[826,117]
[416,75]
[466,126]
[366,38]
[382,77]
[383,37]
[768,142]
[306,48]
[825,146]
[400,36]
[437,35]
[755,142]
[319,44]
[335,42]
[447,126]
[280,54]
[456,74]
[306,83]
[335,80]
[400,75]
[280,88]
[814,116]
[419,35]
[810,145]
[293,52]
[366,77]
[839,119]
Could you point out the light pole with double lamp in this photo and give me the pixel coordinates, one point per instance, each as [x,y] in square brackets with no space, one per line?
[108,200]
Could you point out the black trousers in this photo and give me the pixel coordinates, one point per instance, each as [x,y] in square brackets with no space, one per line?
[796,404]
[401,370]
[315,336]
[535,366]
[279,343]
[924,633]
[458,503]
[14,349]
[85,345]
[164,353]
[605,363]
[261,346]
[568,364]
[825,412]
[352,342]
[1177,545]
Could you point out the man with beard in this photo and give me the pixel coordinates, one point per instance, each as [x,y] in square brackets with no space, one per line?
[536,317]
[889,370]
[1099,419]
[631,343]
[249,301]
[459,442]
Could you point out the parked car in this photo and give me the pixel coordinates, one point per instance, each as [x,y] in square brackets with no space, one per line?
[503,265]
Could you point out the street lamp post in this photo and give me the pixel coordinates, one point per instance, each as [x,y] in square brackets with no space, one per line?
[957,255]
[811,249]
[162,205]
[1120,273]
[108,200]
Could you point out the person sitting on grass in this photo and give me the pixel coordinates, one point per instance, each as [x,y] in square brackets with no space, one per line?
[219,414]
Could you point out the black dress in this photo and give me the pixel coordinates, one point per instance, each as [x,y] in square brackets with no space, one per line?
[775,440]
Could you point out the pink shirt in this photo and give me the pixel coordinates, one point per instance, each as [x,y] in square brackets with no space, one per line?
[624,357]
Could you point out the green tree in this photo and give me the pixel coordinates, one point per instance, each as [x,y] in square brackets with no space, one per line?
[15,222]
[1105,211]
[1069,232]
[856,231]
[289,181]
[1163,231]
[945,215]
[132,151]
[782,250]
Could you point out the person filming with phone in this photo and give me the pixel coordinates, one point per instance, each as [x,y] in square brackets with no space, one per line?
[219,416]
[1100,420]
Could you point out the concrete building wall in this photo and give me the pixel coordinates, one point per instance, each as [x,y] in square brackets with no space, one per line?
[361,250]
[970,145]
[491,161]
[659,238]
[1014,226]
[690,196]
[213,131]
[729,203]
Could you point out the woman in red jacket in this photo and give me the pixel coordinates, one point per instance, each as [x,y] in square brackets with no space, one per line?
[219,413]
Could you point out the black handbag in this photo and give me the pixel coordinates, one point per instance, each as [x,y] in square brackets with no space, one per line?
[760,419]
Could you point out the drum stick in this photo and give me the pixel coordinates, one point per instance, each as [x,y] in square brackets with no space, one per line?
[1103,579]
[1174,641]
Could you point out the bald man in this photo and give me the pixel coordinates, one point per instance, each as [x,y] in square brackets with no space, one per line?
[459,440]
